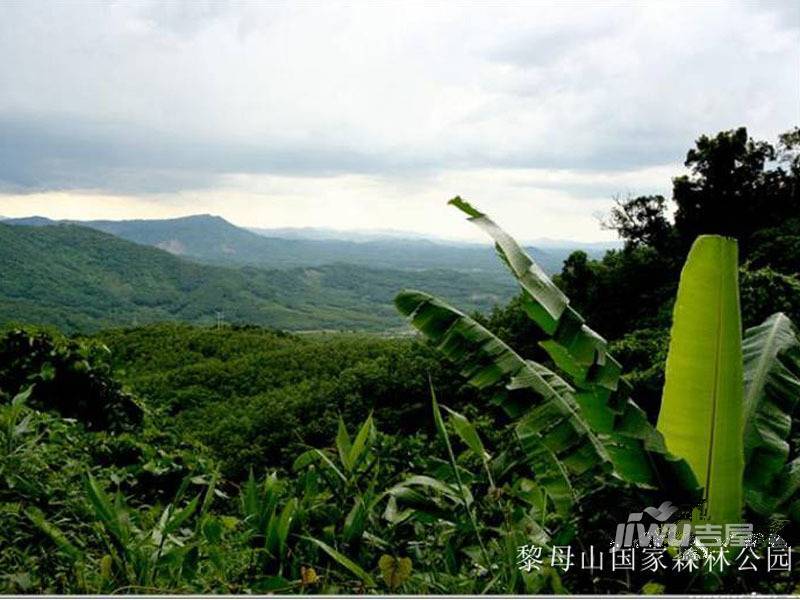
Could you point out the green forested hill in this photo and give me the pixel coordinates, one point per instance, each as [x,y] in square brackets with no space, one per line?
[80,279]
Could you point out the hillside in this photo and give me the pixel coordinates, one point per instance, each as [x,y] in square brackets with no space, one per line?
[214,240]
[246,392]
[80,279]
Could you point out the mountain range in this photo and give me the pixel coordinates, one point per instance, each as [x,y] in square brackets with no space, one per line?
[80,279]
[211,239]
[86,275]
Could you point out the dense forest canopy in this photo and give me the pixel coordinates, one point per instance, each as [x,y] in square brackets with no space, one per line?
[183,458]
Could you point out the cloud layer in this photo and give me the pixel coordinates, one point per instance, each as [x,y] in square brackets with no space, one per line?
[173,104]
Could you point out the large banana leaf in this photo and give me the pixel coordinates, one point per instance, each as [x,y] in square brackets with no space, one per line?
[702,415]
[558,442]
[550,303]
[574,347]
[771,396]
[635,447]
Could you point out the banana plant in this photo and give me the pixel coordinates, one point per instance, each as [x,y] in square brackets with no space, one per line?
[771,354]
[575,434]
[728,399]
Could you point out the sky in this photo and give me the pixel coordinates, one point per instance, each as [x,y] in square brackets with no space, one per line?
[372,115]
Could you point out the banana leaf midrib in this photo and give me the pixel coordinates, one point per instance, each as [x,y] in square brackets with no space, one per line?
[715,390]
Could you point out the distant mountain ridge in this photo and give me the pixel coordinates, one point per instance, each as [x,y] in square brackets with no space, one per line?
[354,235]
[213,240]
[358,235]
[82,279]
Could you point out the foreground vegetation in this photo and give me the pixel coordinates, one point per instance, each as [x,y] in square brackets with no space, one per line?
[182,459]
[132,504]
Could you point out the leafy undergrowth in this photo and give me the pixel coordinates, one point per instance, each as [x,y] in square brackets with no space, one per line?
[134,505]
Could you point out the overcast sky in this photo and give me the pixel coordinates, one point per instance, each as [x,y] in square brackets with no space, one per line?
[367,116]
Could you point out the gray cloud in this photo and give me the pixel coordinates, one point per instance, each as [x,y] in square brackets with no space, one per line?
[158,97]
[50,153]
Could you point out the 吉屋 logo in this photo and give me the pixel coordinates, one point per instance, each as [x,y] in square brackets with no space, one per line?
[634,532]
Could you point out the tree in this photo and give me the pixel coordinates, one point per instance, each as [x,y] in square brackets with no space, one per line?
[641,221]
[732,191]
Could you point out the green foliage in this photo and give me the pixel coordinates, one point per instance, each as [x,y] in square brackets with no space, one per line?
[71,533]
[628,289]
[643,353]
[121,528]
[469,512]
[772,389]
[702,414]
[70,377]
[766,292]
[702,410]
